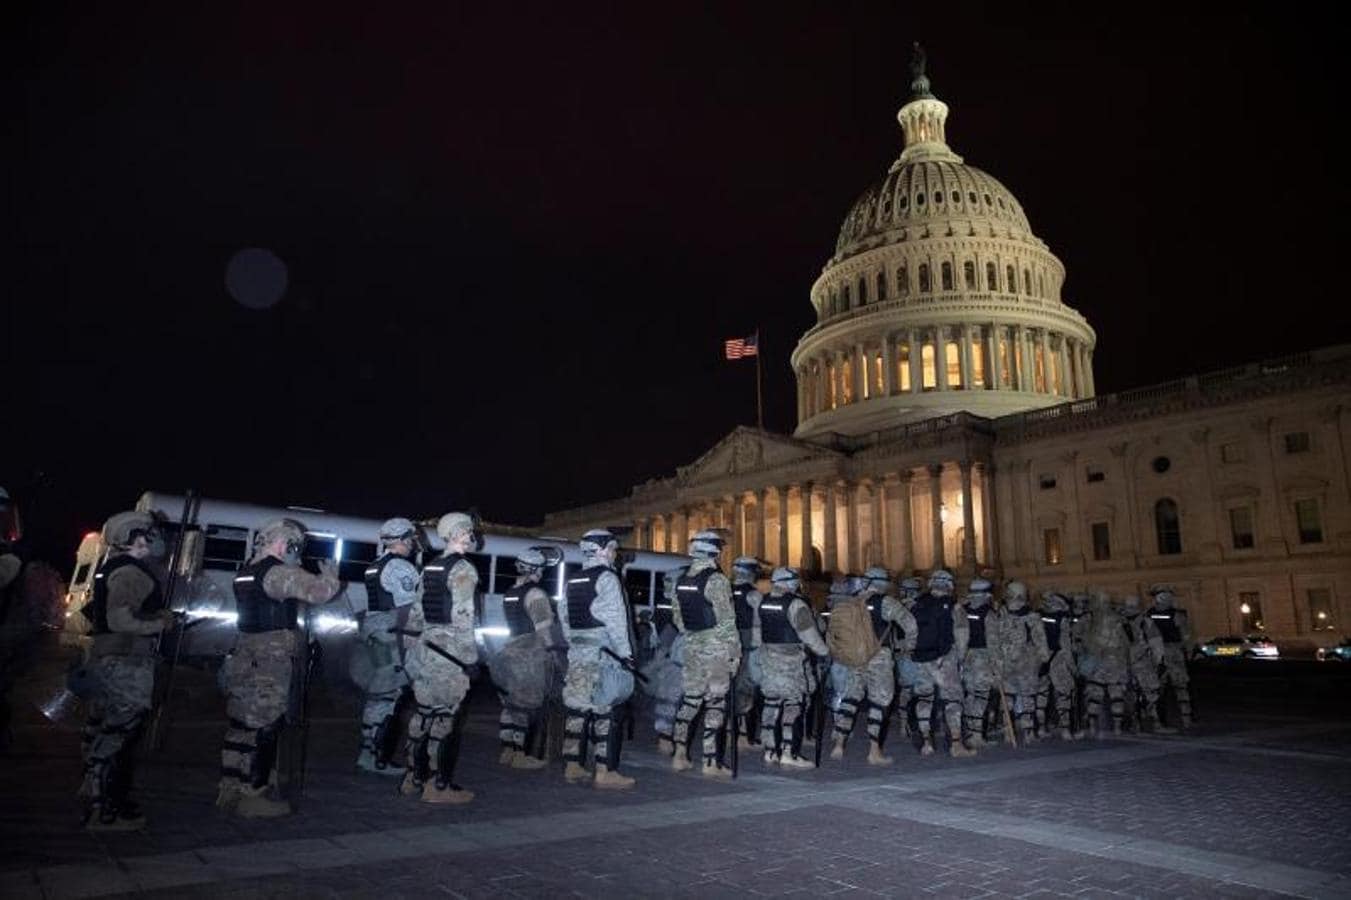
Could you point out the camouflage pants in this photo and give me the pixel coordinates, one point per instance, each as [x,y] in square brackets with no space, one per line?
[1106,681]
[595,684]
[1175,674]
[707,678]
[939,681]
[117,717]
[1143,683]
[663,686]
[1057,678]
[439,687]
[906,673]
[747,676]
[257,676]
[523,673]
[1020,685]
[387,685]
[977,682]
[784,683]
[871,687]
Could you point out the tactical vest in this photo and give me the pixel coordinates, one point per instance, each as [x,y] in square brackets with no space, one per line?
[975,625]
[1052,624]
[744,613]
[774,625]
[96,610]
[377,598]
[436,599]
[696,611]
[1166,622]
[581,594]
[933,615]
[880,624]
[513,608]
[257,611]
[1022,614]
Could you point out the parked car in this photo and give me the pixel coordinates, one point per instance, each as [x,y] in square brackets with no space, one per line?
[1340,653]
[1233,646]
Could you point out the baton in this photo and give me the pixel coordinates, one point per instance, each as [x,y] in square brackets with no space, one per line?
[625,664]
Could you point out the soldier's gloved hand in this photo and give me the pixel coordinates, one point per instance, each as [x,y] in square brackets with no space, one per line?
[328,568]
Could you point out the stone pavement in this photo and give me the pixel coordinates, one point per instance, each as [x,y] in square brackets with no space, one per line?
[1247,805]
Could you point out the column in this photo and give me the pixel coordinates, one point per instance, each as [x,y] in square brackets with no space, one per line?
[965,356]
[841,375]
[968,519]
[991,515]
[889,364]
[1044,339]
[1026,376]
[805,489]
[875,556]
[738,526]
[1066,383]
[940,359]
[669,523]
[936,512]
[642,534]
[801,394]
[829,539]
[852,559]
[916,362]
[1088,372]
[991,353]
[761,519]
[783,525]
[860,370]
[903,521]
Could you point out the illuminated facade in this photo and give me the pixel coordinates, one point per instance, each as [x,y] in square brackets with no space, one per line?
[947,417]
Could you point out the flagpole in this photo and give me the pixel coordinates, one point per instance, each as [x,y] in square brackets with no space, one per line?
[759,399]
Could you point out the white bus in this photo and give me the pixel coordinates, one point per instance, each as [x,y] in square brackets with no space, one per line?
[221,536]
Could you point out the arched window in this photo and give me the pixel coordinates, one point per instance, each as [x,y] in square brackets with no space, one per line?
[903,281]
[845,300]
[1168,527]
[862,290]
[1027,282]
[991,277]
[969,275]
[925,286]
[946,275]
[928,372]
[952,358]
[881,286]
[1011,277]
[833,304]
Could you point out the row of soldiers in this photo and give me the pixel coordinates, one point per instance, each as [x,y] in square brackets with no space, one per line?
[739,652]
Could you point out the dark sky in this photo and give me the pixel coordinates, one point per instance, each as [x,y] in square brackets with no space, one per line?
[517,236]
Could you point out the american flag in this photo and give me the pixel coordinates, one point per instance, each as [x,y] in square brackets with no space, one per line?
[739,348]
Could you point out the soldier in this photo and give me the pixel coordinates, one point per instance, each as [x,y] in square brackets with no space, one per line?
[1056,676]
[940,644]
[1145,663]
[126,616]
[441,663]
[524,668]
[1022,651]
[783,626]
[745,572]
[910,588]
[663,673]
[259,671]
[981,660]
[703,611]
[1175,629]
[872,685]
[597,622]
[1103,662]
[391,618]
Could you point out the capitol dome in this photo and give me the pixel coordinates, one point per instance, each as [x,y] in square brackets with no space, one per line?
[938,299]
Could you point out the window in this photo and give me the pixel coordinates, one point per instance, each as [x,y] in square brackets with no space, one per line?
[1297,442]
[847,394]
[953,360]
[1102,543]
[1160,464]
[903,366]
[638,585]
[988,201]
[1168,527]
[969,275]
[903,282]
[845,299]
[1240,527]
[1232,453]
[1320,610]
[956,197]
[904,201]
[881,286]
[946,275]
[1005,361]
[1051,539]
[971,197]
[1250,608]
[356,556]
[991,277]
[938,197]
[226,548]
[1094,474]
[862,290]
[919,199]
[978,362]
[1047,482]
[1307,521]
[925,286]
[832,395]
[930,374]
[504,575]
[1011,279]
[879,376]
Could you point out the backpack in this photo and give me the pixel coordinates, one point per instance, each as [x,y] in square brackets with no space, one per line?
[850,636]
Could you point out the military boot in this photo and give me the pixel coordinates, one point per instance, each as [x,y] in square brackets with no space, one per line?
[713,770]
[113,819]
[665,746]
[608,779]
[875,757]
[575,771]
[368,762]
[227,795]
[431,793]
[975,741]
[837,751]
[958,750]
[254,803]
[680,762]
[789,761]
[770,758]
[411,785]
[526,761]
[507,755]
[1066,735]
[744,742]
[927,747]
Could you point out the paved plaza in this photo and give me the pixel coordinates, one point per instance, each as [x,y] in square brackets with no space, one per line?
[1253,803]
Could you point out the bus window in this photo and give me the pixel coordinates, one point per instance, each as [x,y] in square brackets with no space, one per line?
[553,582]
[226,548]
[638,585]
[316,548]
[356,556]
[483,563]
[505,574]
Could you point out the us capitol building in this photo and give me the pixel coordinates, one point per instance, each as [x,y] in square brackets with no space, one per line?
[947,417]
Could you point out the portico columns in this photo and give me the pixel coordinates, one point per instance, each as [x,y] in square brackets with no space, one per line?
[889,365]
[916,361]
[852,556]
[936,512]
[940,359]
[964,356]
[907,560]
[875,557]
[1066,383]
[828,551]
[783,525]
[1047,385]
[968,520]
[669,522]
[991,515]
[761,519]
[805,489]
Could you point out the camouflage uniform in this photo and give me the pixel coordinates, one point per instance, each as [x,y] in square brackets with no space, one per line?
[873,685]
[1144,660]
[438,663]
[1022,651]
[392,584]
[938,654]
[126,614]
[1056,676]
[260,675]
[523,669]
[664,679]
[784,630]
[1175,628]
[906,668]
[979,665]
[744,600]
[1103,661]
[712,655]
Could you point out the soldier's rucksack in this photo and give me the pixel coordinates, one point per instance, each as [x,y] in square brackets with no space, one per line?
[850,636]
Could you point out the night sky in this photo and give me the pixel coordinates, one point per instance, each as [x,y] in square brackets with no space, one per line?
[516,237]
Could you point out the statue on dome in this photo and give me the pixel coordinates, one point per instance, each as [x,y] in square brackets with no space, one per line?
[919,80]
